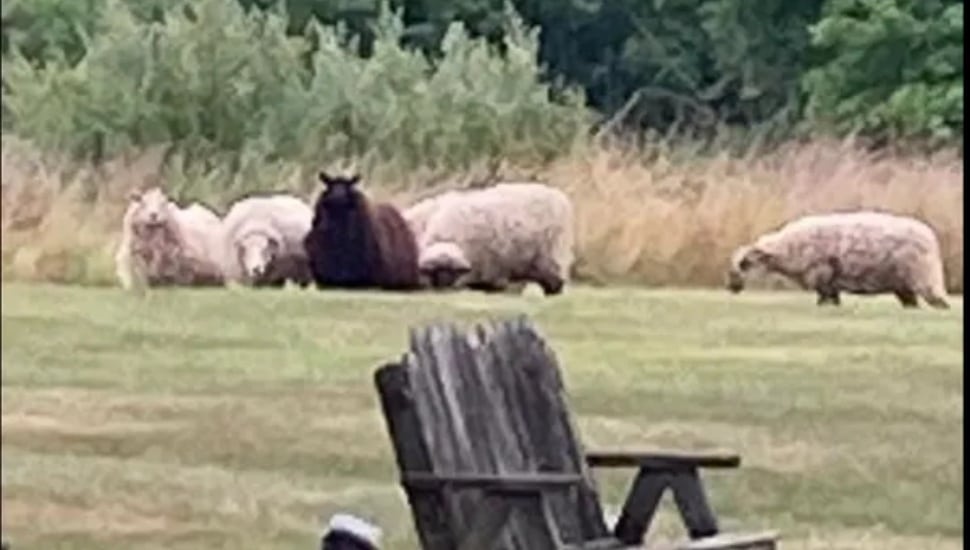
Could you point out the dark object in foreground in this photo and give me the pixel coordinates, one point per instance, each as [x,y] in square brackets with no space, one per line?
[347,532]
[490,458]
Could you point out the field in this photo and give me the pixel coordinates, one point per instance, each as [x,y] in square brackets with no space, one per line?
[244,419]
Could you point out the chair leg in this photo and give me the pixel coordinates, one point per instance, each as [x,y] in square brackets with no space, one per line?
[640,506]
[692,503]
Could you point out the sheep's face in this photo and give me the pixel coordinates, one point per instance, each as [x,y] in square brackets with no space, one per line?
[744,259]
[152,209]
[444,264]
[256,251]
[340,192]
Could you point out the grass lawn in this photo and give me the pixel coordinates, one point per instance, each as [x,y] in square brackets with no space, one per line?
[244,419]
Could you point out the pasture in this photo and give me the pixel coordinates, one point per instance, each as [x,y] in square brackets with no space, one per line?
[244,419]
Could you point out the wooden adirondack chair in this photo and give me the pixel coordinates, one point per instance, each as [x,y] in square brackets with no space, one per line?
[490,458]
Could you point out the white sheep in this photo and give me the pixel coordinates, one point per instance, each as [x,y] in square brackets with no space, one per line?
[417,215]
[864,252]
[263,240]
[489,238]
[163,245]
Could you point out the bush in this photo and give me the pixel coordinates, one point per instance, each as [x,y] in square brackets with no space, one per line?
[45,29]
[212,79]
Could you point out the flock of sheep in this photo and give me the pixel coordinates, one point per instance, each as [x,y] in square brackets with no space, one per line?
[486,239]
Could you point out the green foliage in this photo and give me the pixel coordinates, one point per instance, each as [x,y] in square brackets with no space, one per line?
[213,79]
[44,29]
[891,69]
[662,63]
[680,62]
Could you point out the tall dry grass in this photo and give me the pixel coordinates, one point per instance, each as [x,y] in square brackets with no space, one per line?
[662,221]
[654,216]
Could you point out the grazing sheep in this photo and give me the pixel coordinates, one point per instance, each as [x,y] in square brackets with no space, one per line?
[164,245]
[859,253]
[263,241]
[486,239]
[354,243]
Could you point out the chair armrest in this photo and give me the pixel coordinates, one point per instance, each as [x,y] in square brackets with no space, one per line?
[505,483]
[660,460]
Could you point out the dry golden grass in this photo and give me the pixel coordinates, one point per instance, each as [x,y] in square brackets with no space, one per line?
[668,223]
[655,217]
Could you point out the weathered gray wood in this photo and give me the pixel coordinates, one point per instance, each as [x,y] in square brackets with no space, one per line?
[766,540]
[489,455]
[660,461]
[428,508]
[492,516]
[692,503]
[640,506]
[536,527]
[489,403]
[601,544]
[504,483]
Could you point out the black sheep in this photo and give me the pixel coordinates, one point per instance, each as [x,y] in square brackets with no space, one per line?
[353,243]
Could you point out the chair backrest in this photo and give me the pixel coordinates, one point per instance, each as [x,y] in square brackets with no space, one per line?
[486,401]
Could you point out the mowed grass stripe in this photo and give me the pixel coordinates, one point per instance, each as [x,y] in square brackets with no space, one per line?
[202,419]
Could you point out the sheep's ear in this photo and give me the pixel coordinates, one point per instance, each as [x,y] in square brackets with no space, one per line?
[134,195]
[324,177]
[353,180]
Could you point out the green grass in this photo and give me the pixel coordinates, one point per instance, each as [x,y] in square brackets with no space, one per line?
[244,419]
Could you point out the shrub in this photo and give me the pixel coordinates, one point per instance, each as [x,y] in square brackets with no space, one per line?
[213,79]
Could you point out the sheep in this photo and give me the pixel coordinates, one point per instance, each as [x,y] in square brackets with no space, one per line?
[864,252]
[417,214]
[263,241]
[354,243]
[164,245]
[486,239]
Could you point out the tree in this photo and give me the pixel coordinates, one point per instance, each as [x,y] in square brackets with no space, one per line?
[889,69]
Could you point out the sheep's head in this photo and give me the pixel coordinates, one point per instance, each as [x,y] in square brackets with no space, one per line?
[744,259]
[340,192]
[255,252]
[152,208]
[443,263]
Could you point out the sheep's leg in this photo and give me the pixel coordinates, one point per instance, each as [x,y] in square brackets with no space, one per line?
[828,296]
[907,297]
[936,301]
[822,277]
[932,297]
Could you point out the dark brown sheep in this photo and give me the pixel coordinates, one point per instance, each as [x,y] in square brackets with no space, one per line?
[354,243]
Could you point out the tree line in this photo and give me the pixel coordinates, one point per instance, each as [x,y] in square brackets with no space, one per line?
[889,70]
